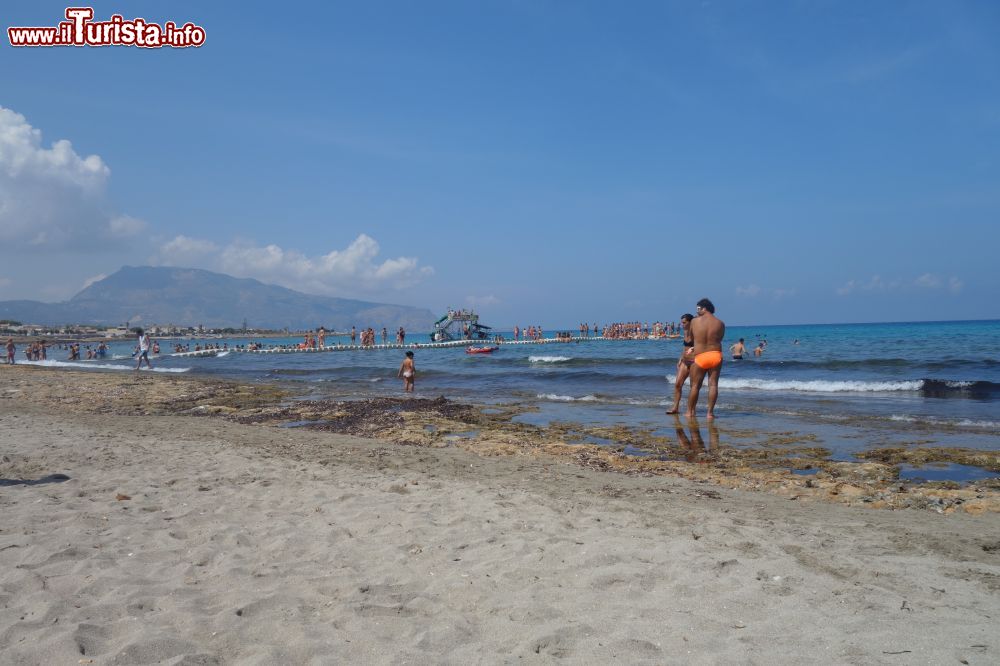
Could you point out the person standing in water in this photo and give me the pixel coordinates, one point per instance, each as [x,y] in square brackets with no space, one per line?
[407,371]
[707,331]
[683,363]
[143,350]
[738,350]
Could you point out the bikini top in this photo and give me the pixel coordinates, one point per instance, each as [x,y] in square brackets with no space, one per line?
[689,344]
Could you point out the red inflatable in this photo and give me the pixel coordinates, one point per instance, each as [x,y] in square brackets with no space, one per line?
[480,350]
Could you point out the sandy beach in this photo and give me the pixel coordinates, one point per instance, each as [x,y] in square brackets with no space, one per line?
[134,538]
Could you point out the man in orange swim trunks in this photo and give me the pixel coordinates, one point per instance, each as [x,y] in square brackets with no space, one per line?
[707,331]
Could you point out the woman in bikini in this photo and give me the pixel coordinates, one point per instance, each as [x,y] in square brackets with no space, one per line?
[683,363]
[407,370]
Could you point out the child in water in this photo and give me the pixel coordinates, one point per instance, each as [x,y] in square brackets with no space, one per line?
[407,371]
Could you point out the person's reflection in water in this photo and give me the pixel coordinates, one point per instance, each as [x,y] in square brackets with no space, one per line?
[694,446]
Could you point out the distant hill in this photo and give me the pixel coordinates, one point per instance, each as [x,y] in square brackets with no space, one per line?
[189,297]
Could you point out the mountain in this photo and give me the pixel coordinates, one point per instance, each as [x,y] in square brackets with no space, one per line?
[189,297]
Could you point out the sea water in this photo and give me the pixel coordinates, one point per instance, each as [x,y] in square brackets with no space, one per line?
[847,387]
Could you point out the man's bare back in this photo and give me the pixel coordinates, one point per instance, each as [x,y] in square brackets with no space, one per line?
[707,331]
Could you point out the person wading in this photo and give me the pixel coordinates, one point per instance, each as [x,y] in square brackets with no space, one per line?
[707,330]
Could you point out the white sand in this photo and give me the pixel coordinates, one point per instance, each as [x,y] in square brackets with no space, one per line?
[259,545]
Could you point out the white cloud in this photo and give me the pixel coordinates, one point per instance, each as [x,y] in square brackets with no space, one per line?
[91,280]
[183,251]
[876,283]
[928,280]
[126,225]
[5,282]
[480,301]
[924,281]
[754,290]
[847,288]
[351,270]
[51,198]
[932,281]
[23,153]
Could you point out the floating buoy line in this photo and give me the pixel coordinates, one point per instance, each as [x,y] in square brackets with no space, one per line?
[408,345]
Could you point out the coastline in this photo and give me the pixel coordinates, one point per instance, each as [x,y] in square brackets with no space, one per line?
[203,539]
[787,464]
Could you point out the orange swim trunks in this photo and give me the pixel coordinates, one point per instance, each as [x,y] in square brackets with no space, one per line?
[708,360]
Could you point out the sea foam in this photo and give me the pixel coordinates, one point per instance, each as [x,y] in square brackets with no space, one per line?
[821,385]
[930,420]
[566,398]
[95,366]
[548,359]
[818,385]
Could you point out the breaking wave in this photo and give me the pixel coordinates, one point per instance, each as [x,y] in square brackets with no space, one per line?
[566,398]
[934,388]
[821,385]
[96,366]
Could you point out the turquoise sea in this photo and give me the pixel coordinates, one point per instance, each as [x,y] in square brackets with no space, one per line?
[847,387]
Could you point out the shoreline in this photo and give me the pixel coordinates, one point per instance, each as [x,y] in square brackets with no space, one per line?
[199,539]
[785,464]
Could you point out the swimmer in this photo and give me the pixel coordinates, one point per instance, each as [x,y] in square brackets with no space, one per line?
[707,330]
[407,371]
[738,350]
[759,349]
[683,363]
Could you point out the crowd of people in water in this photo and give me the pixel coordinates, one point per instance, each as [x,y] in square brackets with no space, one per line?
[39,351]
[317,339]
[208,346]
[36,351]
[633,330]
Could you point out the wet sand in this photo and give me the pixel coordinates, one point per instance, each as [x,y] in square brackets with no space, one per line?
[186,539]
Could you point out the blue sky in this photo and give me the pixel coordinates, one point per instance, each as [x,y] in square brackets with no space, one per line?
[546,162]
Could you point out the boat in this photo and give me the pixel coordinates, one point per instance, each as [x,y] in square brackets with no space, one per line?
[480,350]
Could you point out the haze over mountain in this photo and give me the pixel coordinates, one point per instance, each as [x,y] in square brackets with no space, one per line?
[147,295]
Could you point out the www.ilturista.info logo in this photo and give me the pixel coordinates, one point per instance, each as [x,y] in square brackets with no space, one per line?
[81,30]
